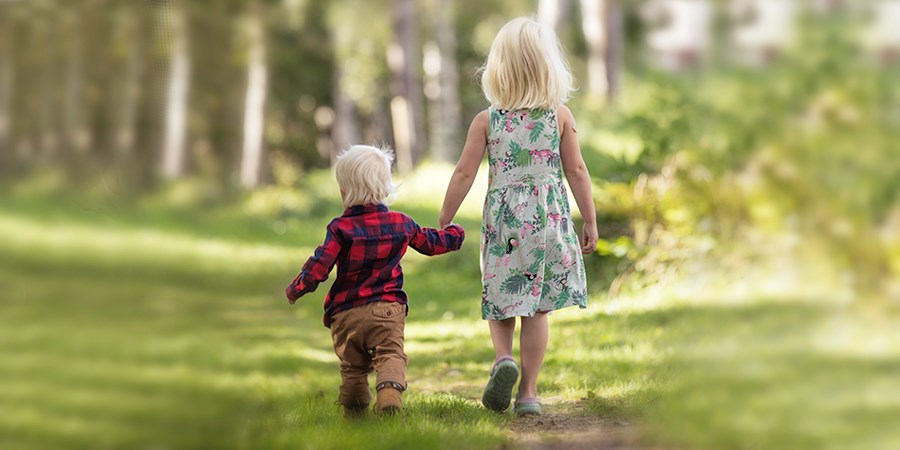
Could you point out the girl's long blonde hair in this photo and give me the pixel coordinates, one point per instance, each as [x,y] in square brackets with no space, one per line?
[526,68]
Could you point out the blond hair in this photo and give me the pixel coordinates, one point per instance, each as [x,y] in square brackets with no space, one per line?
[526,68]
[364,175]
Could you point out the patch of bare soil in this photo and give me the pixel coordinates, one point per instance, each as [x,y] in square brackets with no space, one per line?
[567,426]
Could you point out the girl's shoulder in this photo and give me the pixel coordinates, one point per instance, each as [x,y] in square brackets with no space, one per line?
[565,117]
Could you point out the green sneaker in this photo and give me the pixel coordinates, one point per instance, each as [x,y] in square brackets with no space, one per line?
[498,392]
[527,407]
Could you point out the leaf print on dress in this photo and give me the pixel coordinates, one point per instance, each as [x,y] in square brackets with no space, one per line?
[536,129]
[531,259]
[519,156]
[515,284]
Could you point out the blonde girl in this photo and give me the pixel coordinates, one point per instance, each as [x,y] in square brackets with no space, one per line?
[531,259]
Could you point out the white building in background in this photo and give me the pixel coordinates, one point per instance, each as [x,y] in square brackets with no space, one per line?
[682,41]
[762,29]
[882,36]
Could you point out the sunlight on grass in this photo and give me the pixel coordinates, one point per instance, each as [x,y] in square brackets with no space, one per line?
[201,335]
[425,189]
[72,242]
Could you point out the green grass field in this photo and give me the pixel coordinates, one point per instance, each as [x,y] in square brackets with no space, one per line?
[123,328]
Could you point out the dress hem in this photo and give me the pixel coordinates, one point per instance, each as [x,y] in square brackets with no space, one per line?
[530,313]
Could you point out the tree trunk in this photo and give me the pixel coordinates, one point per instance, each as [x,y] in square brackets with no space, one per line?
[553,12]
[178,87]
[345,131]
[6,90]
[614,42]
[446,134]
[407,108]
[125,119]
[251,156]
[379,130]
[77,135]
[594,27]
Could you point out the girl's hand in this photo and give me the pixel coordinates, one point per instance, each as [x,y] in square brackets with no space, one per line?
[444,222]
[589,238]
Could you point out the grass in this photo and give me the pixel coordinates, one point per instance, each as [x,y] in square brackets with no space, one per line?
[131,327]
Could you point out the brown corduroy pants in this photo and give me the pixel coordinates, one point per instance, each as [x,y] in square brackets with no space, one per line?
[365,338]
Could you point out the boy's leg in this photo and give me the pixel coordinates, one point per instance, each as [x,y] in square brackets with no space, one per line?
[388,320]
[532,346]
[348,334]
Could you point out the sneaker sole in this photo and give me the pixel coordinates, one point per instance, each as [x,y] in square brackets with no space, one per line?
[528,410]
[498,392]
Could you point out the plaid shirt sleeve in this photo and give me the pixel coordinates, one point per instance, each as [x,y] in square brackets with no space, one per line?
[317,267]
[429,241]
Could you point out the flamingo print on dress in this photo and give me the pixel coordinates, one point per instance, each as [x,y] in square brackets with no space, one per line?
[531,257]
[541,155]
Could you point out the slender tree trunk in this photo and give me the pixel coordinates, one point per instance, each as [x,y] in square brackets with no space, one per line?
[594,26]
[553,12]
[407,104]
[614,42]
[448,107]
[251,156]
[6,90]
[178,88]
[47,135]
[126,111]
[77,134]
[379,130]
[345,131]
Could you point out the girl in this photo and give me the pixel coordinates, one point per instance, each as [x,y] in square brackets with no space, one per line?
[531,261]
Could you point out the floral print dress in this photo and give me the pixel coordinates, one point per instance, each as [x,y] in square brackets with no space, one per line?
[530,257]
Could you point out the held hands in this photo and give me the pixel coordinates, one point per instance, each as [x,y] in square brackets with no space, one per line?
[589,238]
[444,222]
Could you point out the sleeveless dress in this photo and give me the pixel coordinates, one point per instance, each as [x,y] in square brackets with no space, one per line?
[530,257]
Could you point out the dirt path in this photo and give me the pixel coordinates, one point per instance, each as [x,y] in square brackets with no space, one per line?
[567,426]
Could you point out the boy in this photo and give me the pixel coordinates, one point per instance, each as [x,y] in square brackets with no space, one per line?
[366,307]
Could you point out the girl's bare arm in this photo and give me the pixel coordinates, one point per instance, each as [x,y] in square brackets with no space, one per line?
[466,169]
[578,178]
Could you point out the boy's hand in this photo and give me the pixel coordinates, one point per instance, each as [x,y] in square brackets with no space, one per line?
[289,293]
[589,238]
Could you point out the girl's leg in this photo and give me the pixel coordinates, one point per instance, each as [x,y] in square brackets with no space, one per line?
[533,345]
[502,332]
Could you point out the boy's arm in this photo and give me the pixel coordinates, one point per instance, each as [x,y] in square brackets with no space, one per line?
[467,168]
[429,241]
[578,177]
[317,267]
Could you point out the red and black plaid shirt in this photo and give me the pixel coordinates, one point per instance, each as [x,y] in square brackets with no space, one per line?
[367,243]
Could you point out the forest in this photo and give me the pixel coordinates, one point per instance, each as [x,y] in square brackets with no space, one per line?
[165,169]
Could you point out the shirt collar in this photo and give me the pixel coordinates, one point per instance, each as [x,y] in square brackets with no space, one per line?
[356,210]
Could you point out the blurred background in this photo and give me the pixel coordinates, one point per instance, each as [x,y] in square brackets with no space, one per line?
[164,172]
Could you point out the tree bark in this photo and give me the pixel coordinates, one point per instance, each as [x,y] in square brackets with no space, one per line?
[553,12]
[178,88]
[449,108]
[595,32]
[614,41]
[127,110]
[251,155]
[345,131]
[77,135]
[407,105]
[6,90]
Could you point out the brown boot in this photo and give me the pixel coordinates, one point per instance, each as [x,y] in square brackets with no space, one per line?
[390,397]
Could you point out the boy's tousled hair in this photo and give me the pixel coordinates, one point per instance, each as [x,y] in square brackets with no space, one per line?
[363,173]
[526,68]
